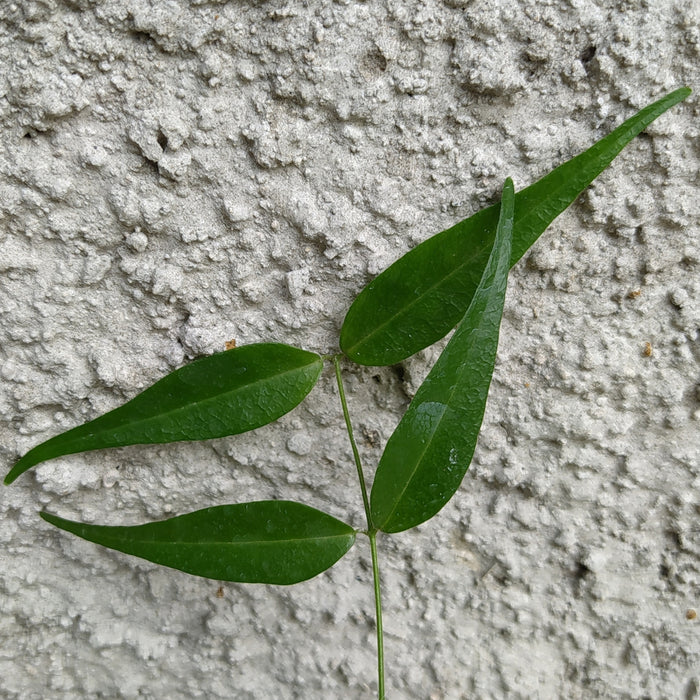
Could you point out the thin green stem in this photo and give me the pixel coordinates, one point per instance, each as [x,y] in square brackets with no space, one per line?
[353,444]
[378,608]
[371,530]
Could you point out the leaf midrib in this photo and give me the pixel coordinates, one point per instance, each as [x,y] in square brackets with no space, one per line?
[623,137]
[193,404]
[418,299]
[460,372]
[217,543]
[418,462]
[438,423]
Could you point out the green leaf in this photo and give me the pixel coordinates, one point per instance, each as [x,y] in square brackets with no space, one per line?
[224,394]
[261,542]
[429,452]
[423,295]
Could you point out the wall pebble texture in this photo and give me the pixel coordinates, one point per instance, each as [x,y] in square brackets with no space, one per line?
[175,175]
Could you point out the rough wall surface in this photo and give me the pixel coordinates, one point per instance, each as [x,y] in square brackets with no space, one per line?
[177,174]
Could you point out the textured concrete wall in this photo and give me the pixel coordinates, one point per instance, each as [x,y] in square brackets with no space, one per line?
[177,174]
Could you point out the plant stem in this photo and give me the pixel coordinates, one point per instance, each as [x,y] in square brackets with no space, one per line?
[353,444]
[371,530]
[378,608]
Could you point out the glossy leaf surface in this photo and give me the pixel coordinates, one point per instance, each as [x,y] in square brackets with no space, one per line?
[223,394]
[261,542]
[429,452]
[424,294]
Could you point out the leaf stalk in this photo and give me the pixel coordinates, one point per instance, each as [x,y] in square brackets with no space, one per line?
[378,609]
[353,444]
[371,530]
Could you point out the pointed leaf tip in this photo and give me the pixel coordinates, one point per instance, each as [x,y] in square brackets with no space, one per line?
[429,452]
[280,542]
[424,294]
[223,394]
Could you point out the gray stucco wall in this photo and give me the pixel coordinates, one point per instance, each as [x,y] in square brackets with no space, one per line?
[177,174]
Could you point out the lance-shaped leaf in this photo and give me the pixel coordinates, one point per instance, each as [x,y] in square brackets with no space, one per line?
[223,394]
[429,452]
[424,294]
[260,542]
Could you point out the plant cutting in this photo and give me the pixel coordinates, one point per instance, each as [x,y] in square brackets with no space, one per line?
[454,280]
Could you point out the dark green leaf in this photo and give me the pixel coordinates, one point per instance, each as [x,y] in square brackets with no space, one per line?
[429,452]
[224,394]
[261,542]
[423,295]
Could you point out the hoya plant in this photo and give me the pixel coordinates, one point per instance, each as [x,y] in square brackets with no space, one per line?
[454,280]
